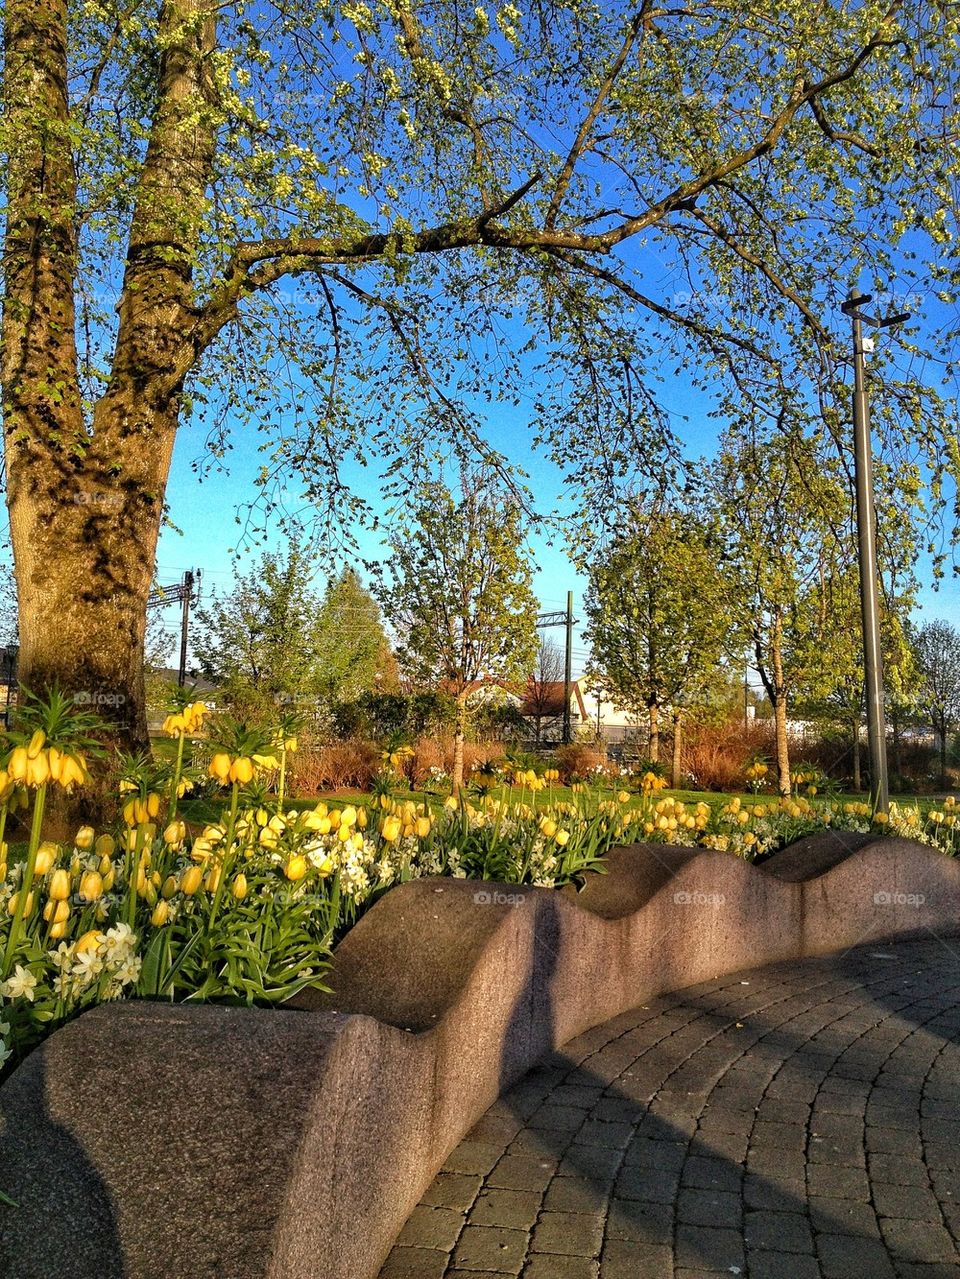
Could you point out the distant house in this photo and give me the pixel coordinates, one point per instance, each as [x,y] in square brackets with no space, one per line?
[542,702]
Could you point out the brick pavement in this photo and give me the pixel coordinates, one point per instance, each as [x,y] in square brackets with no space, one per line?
[795,1122]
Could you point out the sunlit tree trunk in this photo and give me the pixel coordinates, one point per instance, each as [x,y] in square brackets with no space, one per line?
[86,496]
[675,770]
[654,747]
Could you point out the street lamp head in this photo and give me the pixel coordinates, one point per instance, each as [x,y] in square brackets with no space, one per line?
[893,319]
[854,299]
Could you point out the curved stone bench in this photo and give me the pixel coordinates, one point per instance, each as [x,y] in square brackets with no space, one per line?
[178,1142]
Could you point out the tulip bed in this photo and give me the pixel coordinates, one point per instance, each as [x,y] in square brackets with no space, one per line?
[247,908]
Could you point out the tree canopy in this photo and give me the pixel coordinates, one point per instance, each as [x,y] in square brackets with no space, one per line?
[349,225]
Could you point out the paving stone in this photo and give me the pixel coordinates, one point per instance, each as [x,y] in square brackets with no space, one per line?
[473,1156]
[519,1172]
[432,1228]
[781,1265]
[648,1223]
[782,1231]
[491,1248]
[570,1234]
[918,1240]
[575,1194]
[415,1263]
[709,1207]
[621,1260]
[837,1183]
[914,1202]
[700,1247]
[853,1257]
[544,1266]
[710,1174]
[515,1209]
[452,1190]
[843,1217]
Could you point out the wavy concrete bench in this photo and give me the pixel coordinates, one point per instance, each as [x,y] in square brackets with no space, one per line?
[177,1142]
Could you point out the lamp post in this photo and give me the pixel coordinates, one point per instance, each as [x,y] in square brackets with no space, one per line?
[867,544]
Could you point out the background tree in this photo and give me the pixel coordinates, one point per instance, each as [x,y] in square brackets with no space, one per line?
[787,515]
[658,619]
[937,648]
[259,642]
[459,593]
[543,700]
[334,213]
[352,651]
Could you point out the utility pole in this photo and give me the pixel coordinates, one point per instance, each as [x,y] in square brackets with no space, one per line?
[185,626]
[867,544]
[565,618]
[568,670]
[181,593]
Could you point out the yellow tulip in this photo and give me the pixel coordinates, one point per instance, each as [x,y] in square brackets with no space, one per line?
[423,827]
[58,930]
[191,880]
[56,912]
[344,833]
[239,889]
[362,818]
[36,743]
[349,816]
[562,837]
[357,840]
[390,830]
[46,856]
[295,868]
[84,838]
[59,888]
[15,900]
[89,941]
[161,914]
[548,827]
[105,845]
[108,879]
[153,805]
[175,833]
[212,882]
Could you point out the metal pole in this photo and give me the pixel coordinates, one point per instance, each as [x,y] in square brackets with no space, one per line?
[185,626]
[568,670]
[867,540]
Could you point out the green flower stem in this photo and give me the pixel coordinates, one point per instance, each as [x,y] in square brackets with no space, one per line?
[227,865]
[281,784]
[177,772]
[26,881]
[135,875]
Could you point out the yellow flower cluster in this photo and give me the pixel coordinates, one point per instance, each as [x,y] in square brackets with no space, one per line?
[407,820]
[529,780]
[137,811]
[186,723]
[33,766]
[83,880]
[551,775]
[651,782]
[671,815]
[756,771]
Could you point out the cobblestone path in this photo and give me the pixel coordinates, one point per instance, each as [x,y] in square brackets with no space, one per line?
[798,1122]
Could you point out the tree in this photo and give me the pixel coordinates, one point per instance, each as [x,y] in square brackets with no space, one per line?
[543,698]
[786,513]
[658,619]
[203,213]
[459,594]
[937,646]
[353,653]
[259,642]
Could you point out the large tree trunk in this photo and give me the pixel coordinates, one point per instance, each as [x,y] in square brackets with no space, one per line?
[459,737]
[780,709]
[654,748]
[677,748]
[857,778]
[86,497]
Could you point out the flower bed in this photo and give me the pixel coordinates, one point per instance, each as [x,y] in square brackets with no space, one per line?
[248,908]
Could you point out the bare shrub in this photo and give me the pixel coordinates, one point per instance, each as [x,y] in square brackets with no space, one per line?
[577,760]
[715,756]
[351,763]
